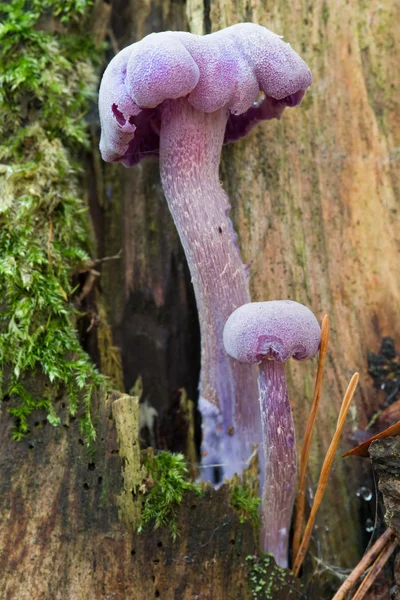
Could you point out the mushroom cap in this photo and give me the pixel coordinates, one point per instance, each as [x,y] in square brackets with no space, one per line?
[228,68]
[275,330]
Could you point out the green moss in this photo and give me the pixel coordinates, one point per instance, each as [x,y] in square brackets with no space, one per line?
[47,81]
[164,489]
[246,503]
[244,493]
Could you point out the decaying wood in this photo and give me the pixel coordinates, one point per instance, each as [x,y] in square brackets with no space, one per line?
[315,201]
[61,537]
[363,449]
[385,455]
[125,411]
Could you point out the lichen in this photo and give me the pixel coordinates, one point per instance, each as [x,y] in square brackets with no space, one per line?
[47,81]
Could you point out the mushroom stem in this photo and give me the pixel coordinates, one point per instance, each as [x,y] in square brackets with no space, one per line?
[190,149]
[280,460]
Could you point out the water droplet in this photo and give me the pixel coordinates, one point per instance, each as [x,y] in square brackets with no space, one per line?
[369,525]
[364,493]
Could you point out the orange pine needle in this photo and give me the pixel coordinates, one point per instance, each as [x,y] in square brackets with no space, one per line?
[305,451]
[375,570]
[362,449]
[364,563]
[325,472]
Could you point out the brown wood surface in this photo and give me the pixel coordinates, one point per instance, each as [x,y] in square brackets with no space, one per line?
[315,201]
[61,537]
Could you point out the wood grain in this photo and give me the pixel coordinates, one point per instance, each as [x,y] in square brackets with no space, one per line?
[315,201]
[61,538]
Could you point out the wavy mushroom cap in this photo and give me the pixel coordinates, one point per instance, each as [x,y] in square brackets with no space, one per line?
[275,330]
[228,68]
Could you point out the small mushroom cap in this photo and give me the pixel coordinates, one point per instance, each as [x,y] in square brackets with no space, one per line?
[275,330]
[228,68]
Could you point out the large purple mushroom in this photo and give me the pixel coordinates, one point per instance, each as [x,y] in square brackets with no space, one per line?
[269,333]
[180,97]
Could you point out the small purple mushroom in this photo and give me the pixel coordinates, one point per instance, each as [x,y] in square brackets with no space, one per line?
[180,97]
[269,333]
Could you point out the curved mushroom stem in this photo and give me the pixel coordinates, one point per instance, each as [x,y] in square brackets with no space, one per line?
[280,460]
[190,149]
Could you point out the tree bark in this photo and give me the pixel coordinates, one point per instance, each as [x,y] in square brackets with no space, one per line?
[67,531]
[315,202]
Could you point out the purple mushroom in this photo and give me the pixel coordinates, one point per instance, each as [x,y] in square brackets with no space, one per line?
[269,333]
[180,97]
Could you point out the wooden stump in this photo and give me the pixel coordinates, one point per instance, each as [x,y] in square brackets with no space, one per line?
[61,537]
[315,202]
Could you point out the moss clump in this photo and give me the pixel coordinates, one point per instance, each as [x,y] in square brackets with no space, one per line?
[164,489]
[246,504]
[244,493]
[47,81]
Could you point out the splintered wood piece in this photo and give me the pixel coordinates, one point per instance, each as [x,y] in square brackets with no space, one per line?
[325,472]
[362,449]
[305,451]
[375,570]
[125,411]
[364,563]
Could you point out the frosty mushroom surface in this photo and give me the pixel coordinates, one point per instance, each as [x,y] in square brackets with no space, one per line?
[269,333]
[180,97]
